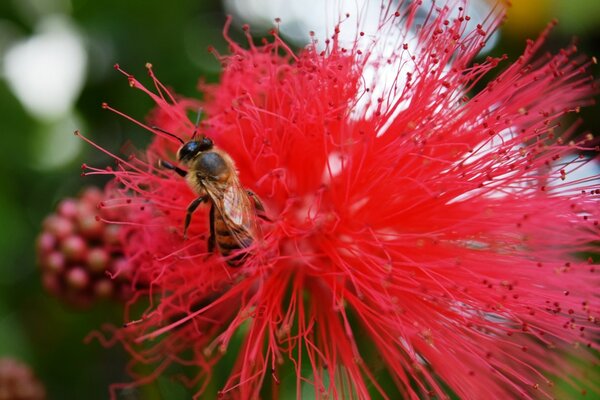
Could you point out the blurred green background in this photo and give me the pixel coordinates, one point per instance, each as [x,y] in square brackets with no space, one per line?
[56,59]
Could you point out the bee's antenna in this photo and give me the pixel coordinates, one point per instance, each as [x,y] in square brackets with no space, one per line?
[197,123]
[156,128]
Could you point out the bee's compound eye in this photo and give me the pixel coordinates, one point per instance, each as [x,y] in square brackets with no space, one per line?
[205,144]
[189,150]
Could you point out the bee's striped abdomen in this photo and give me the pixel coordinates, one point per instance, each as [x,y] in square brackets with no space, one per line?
[228,242]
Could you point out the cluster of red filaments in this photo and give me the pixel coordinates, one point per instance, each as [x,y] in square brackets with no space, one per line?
[452,232]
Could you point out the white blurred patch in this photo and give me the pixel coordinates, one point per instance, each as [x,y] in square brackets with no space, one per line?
[261,14]
[299,17]
[54,144]
[335,164]
[46,71]
[578,173]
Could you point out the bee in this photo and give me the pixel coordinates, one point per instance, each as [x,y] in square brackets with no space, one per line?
[213,177]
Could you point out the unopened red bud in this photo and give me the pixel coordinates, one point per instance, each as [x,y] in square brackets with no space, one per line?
[92,196]
[111,234]
[89,226]
[74,248]
[97,260]
[18,382]
[46,242]
[77,278]
[68,208]
[55,262]
[104,288]
[61,227]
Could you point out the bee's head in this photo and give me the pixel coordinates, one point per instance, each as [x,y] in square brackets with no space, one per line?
[190,149]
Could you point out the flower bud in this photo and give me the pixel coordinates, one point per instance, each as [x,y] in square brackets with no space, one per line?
[18,382]
[78,253]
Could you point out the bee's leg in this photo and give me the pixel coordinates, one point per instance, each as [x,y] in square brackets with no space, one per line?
[258,206]
[191,208]
[168,165]
[211,239]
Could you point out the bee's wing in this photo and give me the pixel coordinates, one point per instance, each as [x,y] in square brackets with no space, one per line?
[237,210]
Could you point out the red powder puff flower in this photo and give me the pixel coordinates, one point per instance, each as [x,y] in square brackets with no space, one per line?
[423,240]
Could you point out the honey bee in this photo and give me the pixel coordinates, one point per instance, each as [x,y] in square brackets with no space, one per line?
[233,210]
